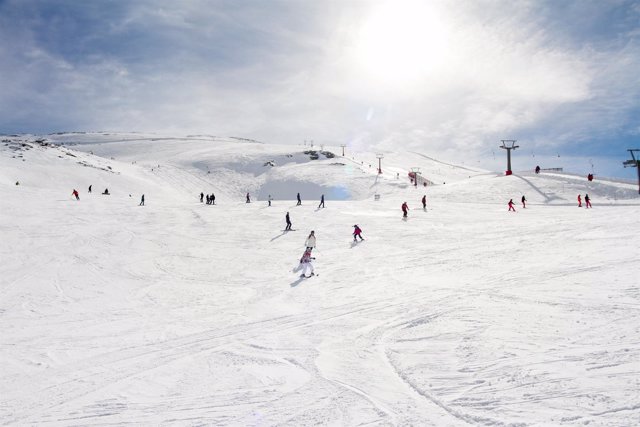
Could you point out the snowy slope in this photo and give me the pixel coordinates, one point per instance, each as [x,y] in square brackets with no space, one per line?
[183,313]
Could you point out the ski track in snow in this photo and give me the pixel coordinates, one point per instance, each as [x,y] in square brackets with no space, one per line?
[183,313]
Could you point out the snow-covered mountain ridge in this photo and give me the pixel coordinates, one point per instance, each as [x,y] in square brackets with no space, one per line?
[183,313]
[235,166]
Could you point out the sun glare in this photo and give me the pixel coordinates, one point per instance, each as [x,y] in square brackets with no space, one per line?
[401,42]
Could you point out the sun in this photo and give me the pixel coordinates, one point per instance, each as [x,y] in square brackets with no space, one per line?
[401,42]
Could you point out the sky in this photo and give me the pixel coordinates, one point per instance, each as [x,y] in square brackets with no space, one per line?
[450,79]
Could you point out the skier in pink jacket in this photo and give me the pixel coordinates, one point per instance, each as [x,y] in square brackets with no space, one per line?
[305,263]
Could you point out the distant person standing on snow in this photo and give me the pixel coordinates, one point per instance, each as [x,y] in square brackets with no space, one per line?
[141,201]
[305,263]
[75,194]
[299,200]
[201,197]
[405,209]
[269,199]
[357,233]
[310,243]
[208,199]
[524,202]
[90,189]
[424,202]
[248,198]
[213,199]
[286,218]
[511,208]
[587,201]
[579,201]
[321,202]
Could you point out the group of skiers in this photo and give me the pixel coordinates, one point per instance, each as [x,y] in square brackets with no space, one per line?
[306,261]
[75,194]
[405,206]
[210,198]
[587,201]
[310,242]
[105,192]
[523,200]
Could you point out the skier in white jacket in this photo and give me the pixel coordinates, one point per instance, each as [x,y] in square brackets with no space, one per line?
[310,243]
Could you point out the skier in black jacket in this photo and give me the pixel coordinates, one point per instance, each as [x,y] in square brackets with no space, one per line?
[288,227]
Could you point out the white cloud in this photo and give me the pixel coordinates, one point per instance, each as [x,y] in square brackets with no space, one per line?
[288,71]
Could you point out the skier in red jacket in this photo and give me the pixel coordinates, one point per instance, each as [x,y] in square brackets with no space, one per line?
[357,233]
[75,194]
[511,208]
[405,209]
[424,202]
[579,201]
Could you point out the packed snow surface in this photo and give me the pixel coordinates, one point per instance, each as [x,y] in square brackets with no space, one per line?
[183,313]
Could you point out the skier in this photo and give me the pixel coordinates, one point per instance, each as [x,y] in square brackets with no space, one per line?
[299,200]
[587,201]
[537,169]
[141,201]
[321,202]
[213,199]
[106,192]
[424,202]
[357,233]
[305,263]
[248,198]
[75,194]
[288,227]
[511,208]
[310,243]
[90,189]
[524,202]
[405,209]
[201,196]
[208,199]
[579,201]
[269,199]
